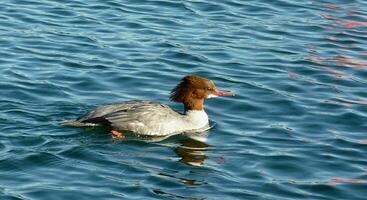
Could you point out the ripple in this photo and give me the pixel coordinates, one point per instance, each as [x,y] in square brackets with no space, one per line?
[295,129]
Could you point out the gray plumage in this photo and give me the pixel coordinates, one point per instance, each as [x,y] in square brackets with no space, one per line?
[141,117]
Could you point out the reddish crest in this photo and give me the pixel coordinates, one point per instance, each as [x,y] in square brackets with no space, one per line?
[192,90]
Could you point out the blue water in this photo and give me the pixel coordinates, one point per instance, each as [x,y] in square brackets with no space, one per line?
[295,130]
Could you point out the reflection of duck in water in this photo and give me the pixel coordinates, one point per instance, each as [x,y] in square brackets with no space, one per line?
[190,146]
[192,151]
[154,119]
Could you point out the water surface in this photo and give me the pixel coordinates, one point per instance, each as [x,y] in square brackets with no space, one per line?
[295,130]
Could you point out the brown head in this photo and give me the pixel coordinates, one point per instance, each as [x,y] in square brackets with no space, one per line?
[193,90]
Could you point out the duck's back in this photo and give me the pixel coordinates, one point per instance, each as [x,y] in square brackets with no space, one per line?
[142,117]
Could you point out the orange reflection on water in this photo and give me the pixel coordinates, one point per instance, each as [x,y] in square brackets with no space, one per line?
[360,67]
[350,61]
[336,73]
[345,180]
[332,7]
[345,22]
[344,54]
[341,62]
[340,76]
[353,24]
[332,38]
[325,62]
[329,17]
[316,59]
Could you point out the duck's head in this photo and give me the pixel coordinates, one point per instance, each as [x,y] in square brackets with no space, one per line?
[193,90]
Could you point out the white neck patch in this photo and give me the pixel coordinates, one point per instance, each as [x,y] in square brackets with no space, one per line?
[197,118]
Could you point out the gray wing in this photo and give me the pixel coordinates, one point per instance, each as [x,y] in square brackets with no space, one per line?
[144,117]
[108,109]
[147,119]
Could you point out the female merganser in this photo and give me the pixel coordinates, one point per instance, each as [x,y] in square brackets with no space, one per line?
[155,119]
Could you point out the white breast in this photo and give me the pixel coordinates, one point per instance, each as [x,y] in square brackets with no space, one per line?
[191,121]
[196,119]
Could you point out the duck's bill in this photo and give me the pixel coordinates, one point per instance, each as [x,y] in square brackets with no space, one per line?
[224,94]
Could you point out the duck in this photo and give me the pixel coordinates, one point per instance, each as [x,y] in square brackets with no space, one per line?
[150,118]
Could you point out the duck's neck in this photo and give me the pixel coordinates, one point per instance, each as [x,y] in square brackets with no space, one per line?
[195,115]
[194,104]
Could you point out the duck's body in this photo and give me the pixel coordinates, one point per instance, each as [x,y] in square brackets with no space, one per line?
[144,118]
[155,119]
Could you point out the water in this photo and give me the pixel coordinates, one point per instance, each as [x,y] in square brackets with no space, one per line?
[295,130]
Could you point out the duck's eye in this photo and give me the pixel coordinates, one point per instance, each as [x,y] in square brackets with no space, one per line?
[208,88]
